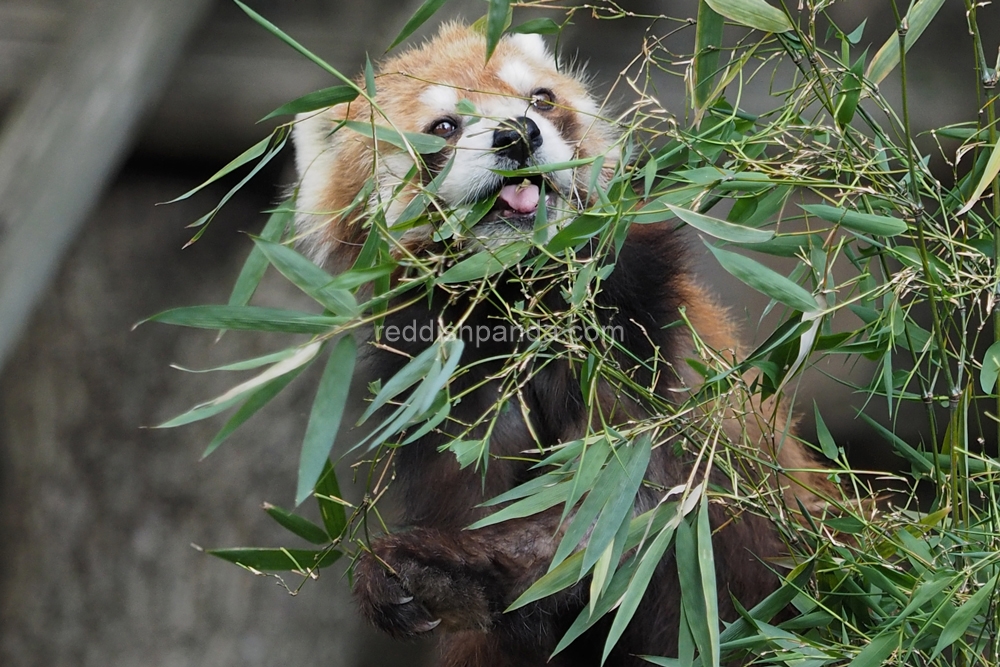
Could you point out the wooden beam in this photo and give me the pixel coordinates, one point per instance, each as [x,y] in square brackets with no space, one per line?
[63,143]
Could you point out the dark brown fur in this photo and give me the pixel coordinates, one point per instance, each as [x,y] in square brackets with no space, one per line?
[436,569]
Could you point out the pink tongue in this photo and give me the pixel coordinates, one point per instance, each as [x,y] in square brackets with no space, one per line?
[521,198]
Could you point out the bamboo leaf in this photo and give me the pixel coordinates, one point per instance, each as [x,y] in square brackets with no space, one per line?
[415,370]
[485,263]
[720,229]
[204,410]
[826,442]
[706,566]
[320,99]
[327,494]
[283,36]
[765,280]
[628,472]
[293,560]
[637,587]
[247,318]
[309,278]
[989,175]
[299,525]
[324,419]
[708,42]
[865,223]
[256,264]
[243,158]
[569,572]
[584,227]
[753,14]
[917,20]
[543,26]
[253,404]
[421,143]
[991,367]
[497,20]
[959,623]
[424,12]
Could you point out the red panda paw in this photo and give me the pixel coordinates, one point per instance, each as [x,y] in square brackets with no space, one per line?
[408,590]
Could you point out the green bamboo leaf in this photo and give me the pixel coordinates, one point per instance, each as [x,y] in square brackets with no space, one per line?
[421,143]
[919,461]
[369,77]
[424,12]
[324,419]
[720,229]
[600,482]
[991,367]
[357,277]
[246,156]
[247,318]
[253,404]
[416,369]
[692,594]
[485,263]
[283,36]
[753,14]
[917,20]
[764,280]
[243,390]
[245,365]
[959,623]
[497,20]
[256,264]
[584,227]
[826,442]
[299,525]
[292,560]
[706,566]
[569,572]
[708,42]
[989,175]
[589,616]
[279,138]
[320,99]
[877,650]
[537,27]
[309,278]
[327,496]
[637,587]
[628,467]
[865,223]
[537,502]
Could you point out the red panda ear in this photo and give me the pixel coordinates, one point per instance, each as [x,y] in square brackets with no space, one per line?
[312,135]
[531,45]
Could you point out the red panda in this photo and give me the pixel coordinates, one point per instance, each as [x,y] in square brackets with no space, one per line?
[434,575]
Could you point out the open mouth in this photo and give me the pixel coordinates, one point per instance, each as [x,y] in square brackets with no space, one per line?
[518,199]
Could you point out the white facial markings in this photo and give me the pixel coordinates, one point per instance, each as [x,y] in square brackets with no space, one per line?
[532,45]
[518,75]
[441,99]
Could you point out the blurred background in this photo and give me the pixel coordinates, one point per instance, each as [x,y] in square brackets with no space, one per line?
[108,107]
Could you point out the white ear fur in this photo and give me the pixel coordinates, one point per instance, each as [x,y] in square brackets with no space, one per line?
[532,45]
[315,150]
[309,137]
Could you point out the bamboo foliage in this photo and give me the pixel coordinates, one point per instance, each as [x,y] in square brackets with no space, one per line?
[894,262]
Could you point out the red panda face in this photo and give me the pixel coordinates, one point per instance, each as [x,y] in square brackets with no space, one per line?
[516,111]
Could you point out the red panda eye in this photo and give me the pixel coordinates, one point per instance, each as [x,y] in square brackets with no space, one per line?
[543,99]
[443,127]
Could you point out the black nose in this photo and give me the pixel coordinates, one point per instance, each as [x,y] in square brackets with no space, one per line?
[517,139]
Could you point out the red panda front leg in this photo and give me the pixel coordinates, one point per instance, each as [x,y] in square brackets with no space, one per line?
[415,581]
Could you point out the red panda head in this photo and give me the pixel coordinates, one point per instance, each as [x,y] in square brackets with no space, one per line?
[515,111]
